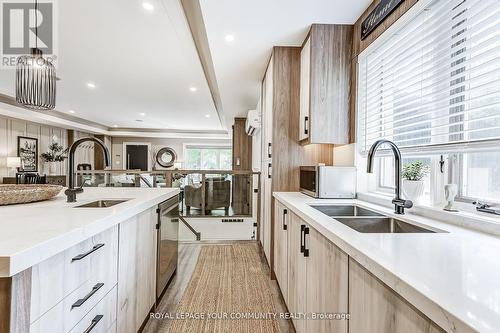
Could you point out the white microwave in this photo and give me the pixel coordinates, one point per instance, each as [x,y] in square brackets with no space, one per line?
[328,182]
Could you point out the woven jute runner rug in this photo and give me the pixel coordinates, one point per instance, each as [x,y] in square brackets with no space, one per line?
[229,283]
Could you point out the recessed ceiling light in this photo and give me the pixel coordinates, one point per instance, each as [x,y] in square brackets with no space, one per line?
[207,116]
[193,89]
[115,126]
[71,111]
[229,38]
[142,114]
[91,85]
[148,6]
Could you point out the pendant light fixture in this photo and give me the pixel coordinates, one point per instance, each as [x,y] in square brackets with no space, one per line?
[35,78]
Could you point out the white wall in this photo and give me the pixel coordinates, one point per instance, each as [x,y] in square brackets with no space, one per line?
[176,144]
[10,129]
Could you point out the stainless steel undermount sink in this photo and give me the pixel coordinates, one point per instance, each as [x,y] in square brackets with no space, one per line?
[102,203]
[381,225]
[344,210]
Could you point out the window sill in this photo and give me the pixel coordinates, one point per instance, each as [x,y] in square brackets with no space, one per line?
[466,217]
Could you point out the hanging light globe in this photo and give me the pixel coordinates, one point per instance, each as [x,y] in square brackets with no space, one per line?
[35,82]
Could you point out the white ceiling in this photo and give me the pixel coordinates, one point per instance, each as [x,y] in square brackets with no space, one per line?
[140,61]
[145,61]
[258,25]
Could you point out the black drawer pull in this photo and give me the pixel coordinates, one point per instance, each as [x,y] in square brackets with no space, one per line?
[93,324]
[269,150]
[83,255]
[302,246]
[306,250]
[80,302]
[306,120]
[285,227]
[269,170]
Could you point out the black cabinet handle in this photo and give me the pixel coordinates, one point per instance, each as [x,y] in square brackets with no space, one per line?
[269,170]
[285,227]
[80,302]
[269,150]
[302,245]
[94,323]
[306,250]
[306,120]
[83,255]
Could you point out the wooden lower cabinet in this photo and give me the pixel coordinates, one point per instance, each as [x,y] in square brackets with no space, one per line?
[297,274]
[327,284]
[317,279]
[325,280]
[136,270]
[281,220]
[375,308]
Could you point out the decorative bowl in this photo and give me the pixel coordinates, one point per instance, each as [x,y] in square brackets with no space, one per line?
[17,194]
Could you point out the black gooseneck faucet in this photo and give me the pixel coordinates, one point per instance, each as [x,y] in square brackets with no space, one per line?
[72,191]
[399,203]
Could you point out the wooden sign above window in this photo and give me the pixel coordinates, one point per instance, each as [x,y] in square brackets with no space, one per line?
[378,15]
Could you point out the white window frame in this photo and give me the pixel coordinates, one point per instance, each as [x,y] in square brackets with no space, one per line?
[453,167]
[186,146]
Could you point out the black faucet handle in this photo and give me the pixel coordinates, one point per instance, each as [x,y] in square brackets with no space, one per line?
[401,204]
[481,205]
[407,204]
[71,194]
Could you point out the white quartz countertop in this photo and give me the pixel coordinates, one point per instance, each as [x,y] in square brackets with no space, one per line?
[452,277]
[31,233]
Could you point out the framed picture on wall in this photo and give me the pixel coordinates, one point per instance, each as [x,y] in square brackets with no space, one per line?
[27,150]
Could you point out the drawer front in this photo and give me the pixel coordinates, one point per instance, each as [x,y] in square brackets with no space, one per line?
[91,261]
[66,314]
[102,318]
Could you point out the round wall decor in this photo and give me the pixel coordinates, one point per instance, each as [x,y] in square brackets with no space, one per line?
[166,157]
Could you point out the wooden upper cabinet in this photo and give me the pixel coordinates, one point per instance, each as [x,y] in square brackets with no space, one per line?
[325,77]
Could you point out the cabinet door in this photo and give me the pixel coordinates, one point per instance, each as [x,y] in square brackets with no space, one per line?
[281,247]
[327,283]
[136,270]
[375,308]
[296,272]
[267,218]
[305,68]
[267,114]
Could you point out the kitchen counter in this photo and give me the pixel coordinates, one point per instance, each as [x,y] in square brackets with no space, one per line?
[453,277]
[31,233]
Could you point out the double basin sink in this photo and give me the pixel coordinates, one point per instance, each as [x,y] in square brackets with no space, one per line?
[367,221]
[102,203]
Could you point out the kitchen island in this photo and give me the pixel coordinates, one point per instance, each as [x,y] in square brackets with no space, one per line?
[65,268]
[446,280]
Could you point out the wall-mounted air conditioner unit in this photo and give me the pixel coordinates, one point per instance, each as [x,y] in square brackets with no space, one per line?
[253,122]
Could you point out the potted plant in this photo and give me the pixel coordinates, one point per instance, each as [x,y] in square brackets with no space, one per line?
[413,185]
[54,155]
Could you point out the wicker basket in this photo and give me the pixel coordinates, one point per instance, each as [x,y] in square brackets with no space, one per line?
[17,194]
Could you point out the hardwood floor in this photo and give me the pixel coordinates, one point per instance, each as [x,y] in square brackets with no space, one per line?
[188,257]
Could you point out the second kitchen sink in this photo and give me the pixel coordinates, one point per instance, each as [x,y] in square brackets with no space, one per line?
[344,210]
[102,203]
[381,225]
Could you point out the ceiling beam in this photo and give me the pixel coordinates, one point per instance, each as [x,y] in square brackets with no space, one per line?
[194,16]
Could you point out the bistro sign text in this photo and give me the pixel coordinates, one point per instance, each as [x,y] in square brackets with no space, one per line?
[378,15]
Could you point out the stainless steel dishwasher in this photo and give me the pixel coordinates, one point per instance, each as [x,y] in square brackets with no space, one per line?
[168,233]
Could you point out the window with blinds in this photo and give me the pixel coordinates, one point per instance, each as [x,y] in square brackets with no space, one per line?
[434,81]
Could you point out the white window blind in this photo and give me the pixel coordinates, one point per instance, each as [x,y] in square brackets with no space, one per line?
[435,80]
